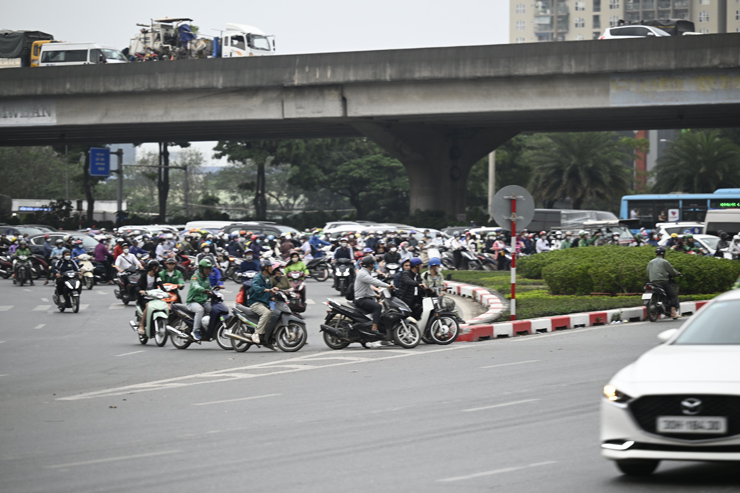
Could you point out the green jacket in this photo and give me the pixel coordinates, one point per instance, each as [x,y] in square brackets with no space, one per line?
[259,293]
[197,290]
[659,269]
[22,251]
[175,278]
[299,266]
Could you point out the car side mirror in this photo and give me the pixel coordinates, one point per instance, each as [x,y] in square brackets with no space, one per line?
[650,33]
[666,335]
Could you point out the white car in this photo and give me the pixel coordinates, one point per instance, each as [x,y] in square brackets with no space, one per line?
[666,229]
[680,400]
[633,31]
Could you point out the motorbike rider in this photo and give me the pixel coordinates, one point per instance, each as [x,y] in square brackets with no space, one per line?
[172,275]
[541,245]
[659,272]
[60,268]
[433,277]
[722,245]
[411,286]
[735,246]
[690,245]
[47,247]
[205,253]
[150,280]
[364,293]
[127,263]
[392,256]
[259,300]
[78,250]
[24,251]
[103,256]
[199,292]
[499,249]
[316,244]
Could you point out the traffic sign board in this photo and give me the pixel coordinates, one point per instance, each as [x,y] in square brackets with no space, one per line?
[99,161]
[502,207]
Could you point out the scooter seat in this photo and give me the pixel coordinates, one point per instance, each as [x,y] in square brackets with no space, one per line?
[245,310]
[183,308]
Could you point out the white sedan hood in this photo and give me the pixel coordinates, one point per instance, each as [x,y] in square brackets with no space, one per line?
[669,369]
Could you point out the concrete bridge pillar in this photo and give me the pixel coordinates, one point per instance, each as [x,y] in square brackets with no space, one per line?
[437,159]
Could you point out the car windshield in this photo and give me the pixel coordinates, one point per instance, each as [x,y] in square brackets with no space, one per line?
[710,242]
[714,324]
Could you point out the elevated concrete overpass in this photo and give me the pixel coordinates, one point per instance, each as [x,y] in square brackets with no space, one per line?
[438,110]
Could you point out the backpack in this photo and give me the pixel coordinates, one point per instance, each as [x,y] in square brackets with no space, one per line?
[350,292]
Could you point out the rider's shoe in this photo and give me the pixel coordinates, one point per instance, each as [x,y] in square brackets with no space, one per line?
[256,338]
[196,335]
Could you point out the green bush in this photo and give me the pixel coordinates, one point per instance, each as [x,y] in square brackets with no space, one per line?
[614,269]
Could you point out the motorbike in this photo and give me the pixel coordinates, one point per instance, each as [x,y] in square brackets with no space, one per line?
[344,273]
[297,301]
[446,257]
[471,260]
[22,270]
[181,326]
[232,272]
[39,266]
[246,278]
[487,261]
[346,324]
[438,324]
[70,295]
[158,315]
[87,269]
[6,267]
[126,286]
[656,301]
[318,269]
[286,330]
[391,270]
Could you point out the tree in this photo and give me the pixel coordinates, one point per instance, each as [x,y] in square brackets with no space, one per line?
[698,162]
[23,168]
[580,166]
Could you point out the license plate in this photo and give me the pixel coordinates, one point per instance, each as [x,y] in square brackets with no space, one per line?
[692,424]
[647,296]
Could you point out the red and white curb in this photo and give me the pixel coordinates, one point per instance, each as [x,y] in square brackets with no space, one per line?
[472,330]
[489,301]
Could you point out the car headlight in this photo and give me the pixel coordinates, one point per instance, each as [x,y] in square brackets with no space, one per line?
[613,395]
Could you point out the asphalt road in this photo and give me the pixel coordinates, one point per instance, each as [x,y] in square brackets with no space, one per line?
[85,407]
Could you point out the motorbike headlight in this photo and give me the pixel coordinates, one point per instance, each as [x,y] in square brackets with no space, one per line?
[613,395]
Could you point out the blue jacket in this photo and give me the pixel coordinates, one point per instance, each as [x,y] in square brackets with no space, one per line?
[76,252]
[257,293]
[317,243]
[215,277]
[253,265]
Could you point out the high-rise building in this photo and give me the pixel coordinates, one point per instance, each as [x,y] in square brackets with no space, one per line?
[572,20]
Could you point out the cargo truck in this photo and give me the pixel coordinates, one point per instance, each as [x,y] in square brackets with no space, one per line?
[22,48]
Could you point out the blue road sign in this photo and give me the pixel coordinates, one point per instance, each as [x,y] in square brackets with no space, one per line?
[99,161]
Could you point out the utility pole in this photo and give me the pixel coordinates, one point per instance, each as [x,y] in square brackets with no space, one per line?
[187,193]
[119,195]
[491,181]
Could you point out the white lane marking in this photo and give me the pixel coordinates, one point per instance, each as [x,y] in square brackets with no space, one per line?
[226,291]
[116,306]
[114,459]
[41,308]
[511,364]
[498,405]
[232,374]
[495,471]
[103,293]
[134,352]
[45,300]
[4,375]
[310,302]
[40,326]
[2,342]
[24,289]
[5,308]
[236,400]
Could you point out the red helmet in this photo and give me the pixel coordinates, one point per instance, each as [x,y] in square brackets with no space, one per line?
[359,254]
[254,237]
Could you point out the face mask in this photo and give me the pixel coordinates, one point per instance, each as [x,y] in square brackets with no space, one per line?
[344,245]
[393,249]
[257,241]
[67,257]
[248,258]
[294,259]
[206,250]
[125,250]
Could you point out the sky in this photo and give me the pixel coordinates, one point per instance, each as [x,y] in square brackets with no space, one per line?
[299,26]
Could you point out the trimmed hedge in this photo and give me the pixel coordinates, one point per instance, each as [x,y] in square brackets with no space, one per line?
[615,269]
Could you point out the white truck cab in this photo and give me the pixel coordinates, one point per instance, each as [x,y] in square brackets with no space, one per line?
[242,40]
[63,54]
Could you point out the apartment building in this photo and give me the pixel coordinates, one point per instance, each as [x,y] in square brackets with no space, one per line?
[573,20]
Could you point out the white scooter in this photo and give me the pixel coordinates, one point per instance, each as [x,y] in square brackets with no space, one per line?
[437,323]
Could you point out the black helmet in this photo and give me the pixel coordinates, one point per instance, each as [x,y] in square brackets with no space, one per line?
[660,251]
[367,261]
[152,264]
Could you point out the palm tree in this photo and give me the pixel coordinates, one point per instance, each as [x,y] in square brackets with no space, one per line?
[584,167]
[698,162]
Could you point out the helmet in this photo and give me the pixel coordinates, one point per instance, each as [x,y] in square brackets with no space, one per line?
[660,251]
[46,237]
[58,241]
[205,264]
[367,261]
[265,264]
[688,235]
[24,242]
[118,240]
[276,265]
[271,237]
[168,236]
[77,242]
[415,261]
[67,237]
[434,261]
[205,244]
[152,264]
[170,260]
[456,233]
[359,254]
[253,237]
[674,235]
[242,232]
[542,233]
[568,233]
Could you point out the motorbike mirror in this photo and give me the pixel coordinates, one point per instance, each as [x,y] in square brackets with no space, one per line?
[666,335]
